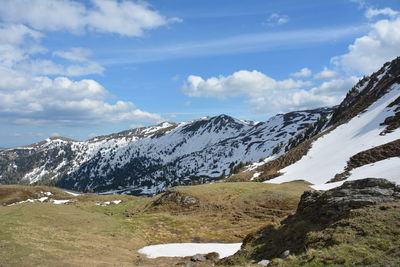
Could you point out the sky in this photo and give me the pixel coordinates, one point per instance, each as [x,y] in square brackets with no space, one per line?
[85,68]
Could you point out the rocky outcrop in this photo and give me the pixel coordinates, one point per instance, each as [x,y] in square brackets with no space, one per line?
[351,195]
[172,196]
[316,211]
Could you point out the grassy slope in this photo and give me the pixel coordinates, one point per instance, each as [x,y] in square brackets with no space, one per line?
[368,237]
[82,234]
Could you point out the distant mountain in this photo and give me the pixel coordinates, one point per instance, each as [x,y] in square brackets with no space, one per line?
[147,160]
[361,138]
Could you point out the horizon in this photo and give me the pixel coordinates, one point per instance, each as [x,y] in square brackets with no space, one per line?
[81,69]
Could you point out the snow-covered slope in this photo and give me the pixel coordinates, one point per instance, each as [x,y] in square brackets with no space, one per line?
[367,119]
[330,153]
[149,159]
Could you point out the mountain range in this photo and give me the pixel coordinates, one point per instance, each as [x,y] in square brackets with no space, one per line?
[356,138]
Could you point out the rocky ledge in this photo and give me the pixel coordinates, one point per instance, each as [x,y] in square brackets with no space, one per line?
[317,211]
[176,197]
[351,195]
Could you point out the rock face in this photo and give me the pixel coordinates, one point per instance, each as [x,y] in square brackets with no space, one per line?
[351,195]
[316,211]
[175,197]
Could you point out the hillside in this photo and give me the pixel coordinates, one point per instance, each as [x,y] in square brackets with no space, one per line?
[354,224]
[88,231]
[359,139]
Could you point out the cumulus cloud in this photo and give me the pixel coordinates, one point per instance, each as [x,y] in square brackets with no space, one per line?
[379,45]
[277,19]
[239,83]
[63,101]
[326,74]
[128,18]
[266,94]
[304,72]
[28,97]
[329,93]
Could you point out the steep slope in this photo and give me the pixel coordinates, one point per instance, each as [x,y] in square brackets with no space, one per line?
[355,224]
[149,159]
[366,122]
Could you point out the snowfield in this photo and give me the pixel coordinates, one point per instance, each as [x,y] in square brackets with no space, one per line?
[330,153]
[190,249]
[388,169]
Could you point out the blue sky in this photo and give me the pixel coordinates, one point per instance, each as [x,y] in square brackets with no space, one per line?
[84,68]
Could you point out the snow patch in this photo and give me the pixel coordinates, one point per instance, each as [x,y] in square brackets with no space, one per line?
[61,201]
[388,169]
[106,203]
[255,175]
[189,249]
[72,193]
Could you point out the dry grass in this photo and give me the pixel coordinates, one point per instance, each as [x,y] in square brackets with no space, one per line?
[83,234]
[14,193]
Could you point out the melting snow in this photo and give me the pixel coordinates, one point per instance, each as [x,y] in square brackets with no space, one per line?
[61,201]
[190,249]
[330,153]
[388,169]
[106,203]
[255,175]
[72,193]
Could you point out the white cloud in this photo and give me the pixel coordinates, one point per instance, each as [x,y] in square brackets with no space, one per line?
[326,74]
[78,54]
[277,19]
[27,97]
[369,52]
[48,67]
[124,17]
[239,83]
[55,134]
[266,94]
[304,72]
[372,12]
[329,93]
[40,100]
[243,43]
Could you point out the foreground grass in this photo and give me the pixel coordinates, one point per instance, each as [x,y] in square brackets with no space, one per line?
[366,237]
[369,237]
[83,234]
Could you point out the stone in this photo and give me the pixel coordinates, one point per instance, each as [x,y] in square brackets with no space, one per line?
[190,264]
[198,257]
[263,262]
[285,254]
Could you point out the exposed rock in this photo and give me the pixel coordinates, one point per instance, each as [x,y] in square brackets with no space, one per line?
[190,264]
[316,211]
[285,254]
[263,262]
[175,197]
[198,257]
[351,195]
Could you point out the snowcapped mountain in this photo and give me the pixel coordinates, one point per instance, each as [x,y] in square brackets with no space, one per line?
[326,144]
[361,140]
[149,159]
